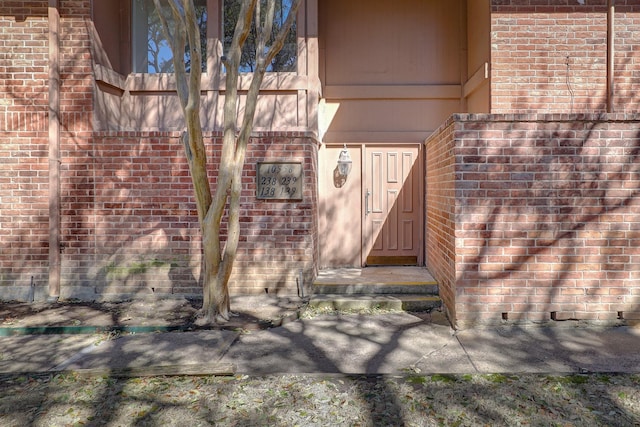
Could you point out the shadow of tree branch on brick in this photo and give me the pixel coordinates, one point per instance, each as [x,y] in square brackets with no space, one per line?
[550,214]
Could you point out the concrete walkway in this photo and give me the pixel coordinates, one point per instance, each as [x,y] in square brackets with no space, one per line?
[394,343]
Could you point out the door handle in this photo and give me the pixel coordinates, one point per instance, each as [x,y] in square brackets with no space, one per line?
[367,211]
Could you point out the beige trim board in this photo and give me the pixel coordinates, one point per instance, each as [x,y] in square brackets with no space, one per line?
[392,260]
[375,136]
[479,77]
[140,82]
[166,82]
[392,92]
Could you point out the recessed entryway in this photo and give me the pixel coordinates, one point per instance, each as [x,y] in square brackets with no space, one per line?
[373,216]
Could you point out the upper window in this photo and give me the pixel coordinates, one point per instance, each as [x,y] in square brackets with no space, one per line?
[151,52]
[285,60]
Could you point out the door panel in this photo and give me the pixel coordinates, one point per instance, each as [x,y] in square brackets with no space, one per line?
[392,212]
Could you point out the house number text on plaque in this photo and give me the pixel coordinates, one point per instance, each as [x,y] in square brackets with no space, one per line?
[279,180]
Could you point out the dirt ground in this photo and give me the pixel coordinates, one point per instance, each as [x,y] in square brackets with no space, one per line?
[308,400]
[250,313]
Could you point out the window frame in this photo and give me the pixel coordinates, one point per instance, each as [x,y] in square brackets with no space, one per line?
[122,77]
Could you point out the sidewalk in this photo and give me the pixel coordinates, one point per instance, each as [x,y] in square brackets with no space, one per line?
[390,343]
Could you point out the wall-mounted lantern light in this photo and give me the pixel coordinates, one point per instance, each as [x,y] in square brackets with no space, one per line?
[344,162]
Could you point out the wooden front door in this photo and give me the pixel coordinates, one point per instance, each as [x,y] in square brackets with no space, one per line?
[392,231]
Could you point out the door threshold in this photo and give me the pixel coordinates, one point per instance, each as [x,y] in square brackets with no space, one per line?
[373,261]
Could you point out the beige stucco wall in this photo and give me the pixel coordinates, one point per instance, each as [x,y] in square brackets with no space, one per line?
[340,237]
[477,88]
[390,71]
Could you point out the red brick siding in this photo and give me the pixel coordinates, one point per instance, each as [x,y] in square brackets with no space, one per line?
[440,201]
[23,143]
[543,52]
[76,71]
[627,56]
[547,217]
[24,74]
[132,225]
[550,56]
[281,237]
[77,150]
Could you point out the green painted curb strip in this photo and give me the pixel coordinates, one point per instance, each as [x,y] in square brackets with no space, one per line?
[71,330]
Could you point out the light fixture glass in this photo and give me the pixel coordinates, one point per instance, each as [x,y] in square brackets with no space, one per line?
[344,162]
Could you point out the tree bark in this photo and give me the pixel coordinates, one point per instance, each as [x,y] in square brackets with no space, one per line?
[217,262]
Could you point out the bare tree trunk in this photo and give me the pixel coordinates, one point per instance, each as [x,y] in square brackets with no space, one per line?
[218,262]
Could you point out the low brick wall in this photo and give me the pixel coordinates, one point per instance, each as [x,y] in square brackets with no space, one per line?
[145,230]
[129,224]
[547,217]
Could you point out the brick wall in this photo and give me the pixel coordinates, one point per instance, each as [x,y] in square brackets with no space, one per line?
[23,143]
[24,115]
[77,148]
[281,243]
[548,56]
[547,218]
[440,227]
[627,56]
[76,73]
[128,221]
[135,229]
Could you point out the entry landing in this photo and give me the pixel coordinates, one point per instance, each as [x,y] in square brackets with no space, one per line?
[383,275]
[387,287]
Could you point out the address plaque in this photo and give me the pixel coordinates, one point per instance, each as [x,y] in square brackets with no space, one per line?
[279,180]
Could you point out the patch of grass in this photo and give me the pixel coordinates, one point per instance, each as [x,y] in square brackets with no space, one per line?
[499,378]
[416,379]
[444,378]
[573,379]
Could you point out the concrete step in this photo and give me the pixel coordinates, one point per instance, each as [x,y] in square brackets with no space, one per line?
[400,288]
[375,281]
[406,302]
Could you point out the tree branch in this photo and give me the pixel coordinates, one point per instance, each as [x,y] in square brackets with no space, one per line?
[177,41]
[193,34]
[188,88]
[262,59]
[278,42]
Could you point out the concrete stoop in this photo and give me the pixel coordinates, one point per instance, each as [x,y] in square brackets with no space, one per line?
[371,302]
[385,290]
